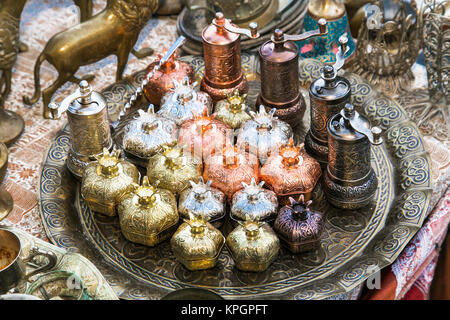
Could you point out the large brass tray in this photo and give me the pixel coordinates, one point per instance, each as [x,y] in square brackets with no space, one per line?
[355,243]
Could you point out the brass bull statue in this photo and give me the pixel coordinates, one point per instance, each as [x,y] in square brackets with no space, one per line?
[114,30]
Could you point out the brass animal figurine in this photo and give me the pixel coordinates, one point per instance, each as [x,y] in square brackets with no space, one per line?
[10,45]
[115,30]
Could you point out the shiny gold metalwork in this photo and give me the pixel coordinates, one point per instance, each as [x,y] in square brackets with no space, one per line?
[6,201]
[253,245]
[233,110]
[327,9]
[197,244]
[291,172]
[174,168]
[115,30]
[148,215]
[105,180]
[299,227]
[222,52]
[85,9]
[229,168]
[11,123]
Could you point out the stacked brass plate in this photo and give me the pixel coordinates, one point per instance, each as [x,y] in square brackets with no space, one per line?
[287,16]
[354,243]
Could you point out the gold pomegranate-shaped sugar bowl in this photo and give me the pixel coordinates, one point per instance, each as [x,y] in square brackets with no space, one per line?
[174,168]
[233,110]
[253,245]
[105,180]
[203,200]
[145,135]
[148,215]
[197,244]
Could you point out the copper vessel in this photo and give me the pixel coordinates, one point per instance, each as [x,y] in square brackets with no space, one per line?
[147,214]
[174,168]
[229,168]
[183,101]
[106,180]
[87,114]
[160,81]
[233,110]
[202,199]
[222,53]
[203,135]
[263,134]
[299,227]
[253,245]
[350,182]
[328,94]
[254,200]
[279,74]
[291,172]
[197,244]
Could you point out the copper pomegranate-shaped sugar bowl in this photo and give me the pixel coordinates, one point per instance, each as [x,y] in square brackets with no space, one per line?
[299,227]
[203,200]
[183,101]
[229,168]
[203,134]
[174,168]
[254,200]
[105,180]
[148,215]
[253,245]
[291,171]
[263,134]
[145,135]
[197,244]
[233,110]
[160,82]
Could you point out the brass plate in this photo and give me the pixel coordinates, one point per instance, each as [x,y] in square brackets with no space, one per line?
[354,245]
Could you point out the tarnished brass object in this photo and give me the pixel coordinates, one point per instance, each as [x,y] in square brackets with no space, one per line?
[6,201]
[350,182]
[299,227]
[253,245]
[254,200]
[145,135]
[11,123]
[89,127]
[280,88]
[160,80]
[233,110]
[229,168]
[328,94]
[323,48]
[263,134]
[85,9]
[114,30]
[148,215]
[106,180]
[197,244]
[203,135]
[203,200]
[184,101]
[290,172]
[222,52]
[174,168]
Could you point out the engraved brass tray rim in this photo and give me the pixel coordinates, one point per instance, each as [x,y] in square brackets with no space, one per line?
[379,231]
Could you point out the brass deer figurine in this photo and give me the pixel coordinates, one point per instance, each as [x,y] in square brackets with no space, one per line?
[114,30]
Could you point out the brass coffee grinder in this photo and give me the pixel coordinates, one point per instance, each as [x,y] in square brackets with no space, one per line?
[222,53]
[350,182]
[89,127]
[328,95]
[279,74]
